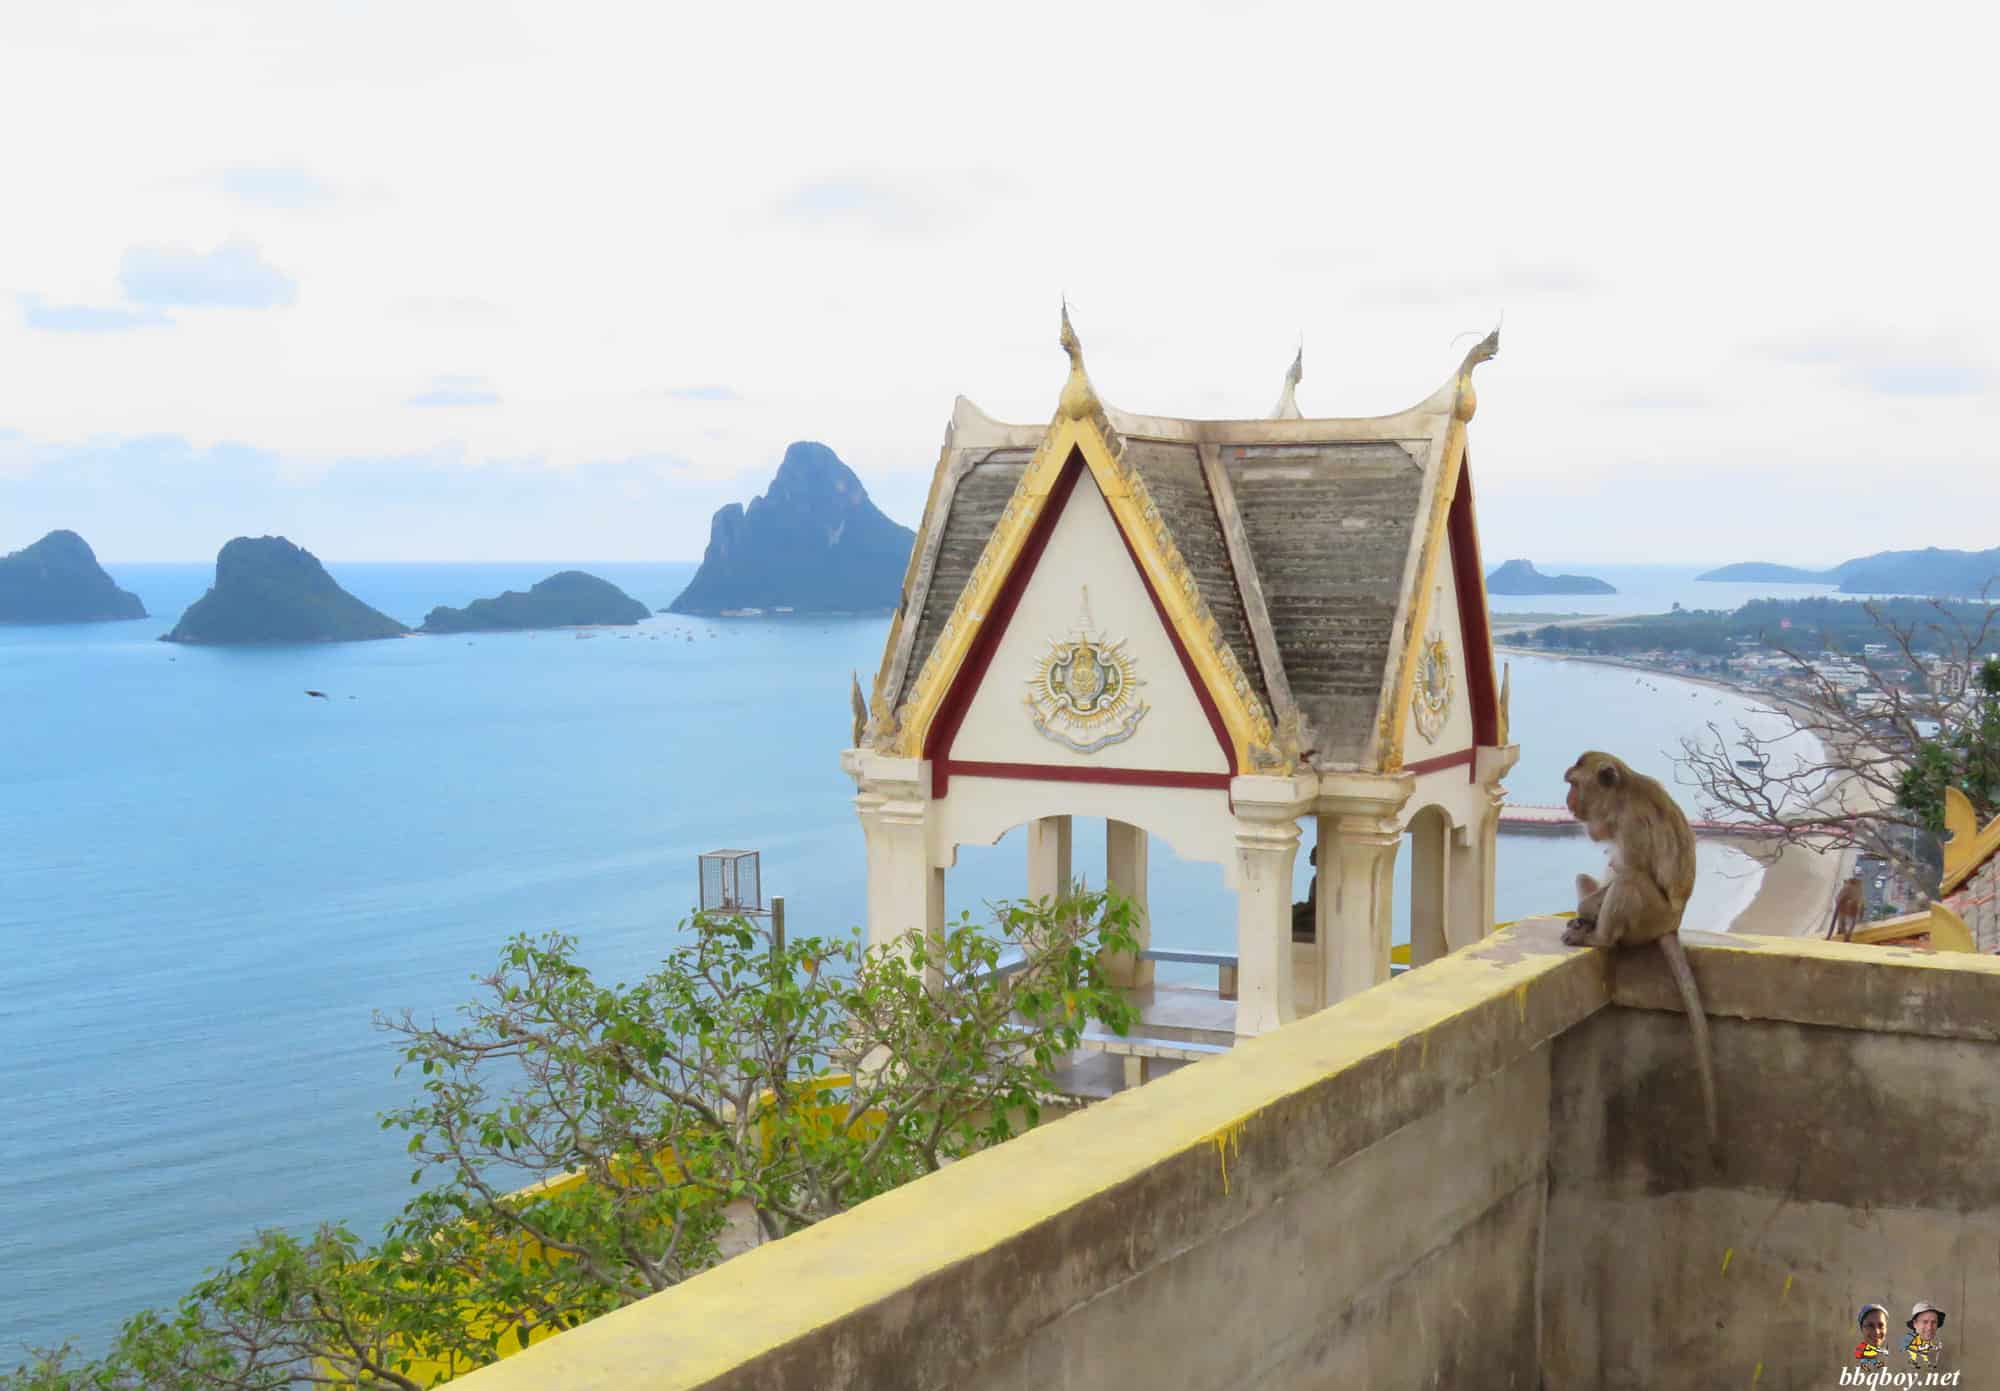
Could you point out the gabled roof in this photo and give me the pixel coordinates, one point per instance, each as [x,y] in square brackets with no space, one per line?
[1294,559]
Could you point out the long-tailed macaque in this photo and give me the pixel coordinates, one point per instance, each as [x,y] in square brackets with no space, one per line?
[1652,877]
[1847,905]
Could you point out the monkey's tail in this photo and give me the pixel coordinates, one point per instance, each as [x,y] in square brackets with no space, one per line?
[1704,1057]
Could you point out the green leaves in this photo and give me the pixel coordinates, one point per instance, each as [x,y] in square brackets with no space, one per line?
[589,1145]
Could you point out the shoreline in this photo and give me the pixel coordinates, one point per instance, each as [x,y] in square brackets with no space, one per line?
[1796,884]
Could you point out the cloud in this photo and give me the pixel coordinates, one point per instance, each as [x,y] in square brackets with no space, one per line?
[275,186]
[86,318]
[456,391]
[1502,283]
[1664,399]
[235,275]
[451,306]
[703,393]
[858,202]
[1889,365]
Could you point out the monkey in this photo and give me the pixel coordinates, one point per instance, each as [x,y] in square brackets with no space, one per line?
[1846,910]
[1651,880]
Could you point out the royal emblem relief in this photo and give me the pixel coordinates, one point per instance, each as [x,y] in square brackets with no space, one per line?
[1430,703]
[1084,693]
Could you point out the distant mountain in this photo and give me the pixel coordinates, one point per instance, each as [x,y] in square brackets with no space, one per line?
[1762,572]
[568,599]
[268,590]
[1929,571]
[813,543]
[58,580]
[1521,577]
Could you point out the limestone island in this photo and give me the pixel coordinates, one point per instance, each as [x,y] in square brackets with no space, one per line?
[268,590]
[569,599]
[1521,577]
[1933,570]
[58,580]
[813,543]
[1764,572]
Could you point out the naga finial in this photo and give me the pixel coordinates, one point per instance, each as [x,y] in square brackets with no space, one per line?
[1506,683]
[1485,350]
[1079,398]
[1288,401]
[860,708]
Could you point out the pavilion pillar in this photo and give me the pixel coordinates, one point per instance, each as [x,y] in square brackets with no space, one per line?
[1359,835]
[1432,860]
[905,891]
[1048,857]
[1476,852]
[1125,847]
[1267,848]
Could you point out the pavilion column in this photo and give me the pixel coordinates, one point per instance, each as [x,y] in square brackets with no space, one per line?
[1267,849]
[1432,862]
[1125,847]
[1048,857]
[1359,835]
[905,891]
[1474,910]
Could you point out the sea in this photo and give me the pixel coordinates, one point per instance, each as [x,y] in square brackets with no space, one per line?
[212,883]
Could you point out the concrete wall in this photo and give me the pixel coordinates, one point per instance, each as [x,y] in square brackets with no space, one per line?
[1353,1200]
[1858,1089]
[1490,1172]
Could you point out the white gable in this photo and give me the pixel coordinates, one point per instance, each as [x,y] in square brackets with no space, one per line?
[1086,586]
[1455,733]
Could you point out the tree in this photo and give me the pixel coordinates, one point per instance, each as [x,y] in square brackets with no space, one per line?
[1864,765]
[592,1144]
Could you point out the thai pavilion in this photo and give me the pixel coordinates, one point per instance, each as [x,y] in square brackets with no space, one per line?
[1205,631]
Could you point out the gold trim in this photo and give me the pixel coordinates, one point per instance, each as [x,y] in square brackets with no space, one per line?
[1966,847]
[1396,715]
[1253,741]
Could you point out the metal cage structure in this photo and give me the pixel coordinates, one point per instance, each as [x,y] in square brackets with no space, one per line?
[731,882]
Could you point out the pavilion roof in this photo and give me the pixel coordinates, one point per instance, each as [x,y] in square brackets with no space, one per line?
[1299,552]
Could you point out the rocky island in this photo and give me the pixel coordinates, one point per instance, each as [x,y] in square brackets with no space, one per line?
[813,543]
[1932,570]
[1764,572]
[58,580]
[1521,577]
[268,590]
[568,599]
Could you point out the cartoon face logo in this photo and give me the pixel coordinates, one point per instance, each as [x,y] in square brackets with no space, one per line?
[1084,695]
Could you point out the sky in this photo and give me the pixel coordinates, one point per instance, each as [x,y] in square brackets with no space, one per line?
[430,280]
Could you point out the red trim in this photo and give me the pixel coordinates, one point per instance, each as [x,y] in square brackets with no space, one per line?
[1474,631]
[1055,772]
[1443,760]
[1201,693]
[972,672]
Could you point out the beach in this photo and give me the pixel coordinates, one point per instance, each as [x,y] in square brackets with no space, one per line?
[1795,895]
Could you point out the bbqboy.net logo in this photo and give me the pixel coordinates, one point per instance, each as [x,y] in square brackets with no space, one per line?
[1918,1362]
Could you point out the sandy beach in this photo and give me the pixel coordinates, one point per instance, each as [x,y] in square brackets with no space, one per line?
[1794,897]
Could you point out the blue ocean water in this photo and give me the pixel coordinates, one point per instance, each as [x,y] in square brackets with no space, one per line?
[209,881]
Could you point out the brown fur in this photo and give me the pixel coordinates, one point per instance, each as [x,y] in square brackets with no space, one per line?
[1847,906]
[1651,880]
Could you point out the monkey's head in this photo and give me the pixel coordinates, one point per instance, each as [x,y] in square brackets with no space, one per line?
[1596,782]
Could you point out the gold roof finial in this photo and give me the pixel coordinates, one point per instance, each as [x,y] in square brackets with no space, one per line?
[1506,683]
[1079,398]
[1485,350]
[1288,401]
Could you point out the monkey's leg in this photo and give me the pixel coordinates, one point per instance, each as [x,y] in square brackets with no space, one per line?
[1633,910]
[1589,903]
